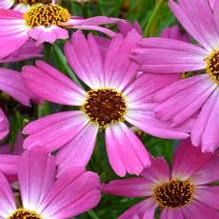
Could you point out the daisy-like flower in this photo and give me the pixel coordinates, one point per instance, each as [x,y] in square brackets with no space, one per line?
[197,95]
[114,98]
[44,196]
[43,23]
[183,192]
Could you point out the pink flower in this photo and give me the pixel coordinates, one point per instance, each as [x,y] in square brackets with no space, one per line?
[44,196]
[4,125]
[196,96]
[183,192]
[114,98]
[18,27]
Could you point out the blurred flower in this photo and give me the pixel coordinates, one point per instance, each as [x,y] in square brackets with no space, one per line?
[43,23]
[114,98]
[44,196]
[183,191]
[4,125]
[21,5]
[197,94]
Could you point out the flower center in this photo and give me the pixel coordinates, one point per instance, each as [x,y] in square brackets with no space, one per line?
[31,2]
[46,15]
[174,194]
[22,213]
[212,66]
[105,106]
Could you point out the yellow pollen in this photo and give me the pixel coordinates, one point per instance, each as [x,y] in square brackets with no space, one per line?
[104,107]
[32,2]
[46,15]
[212,66]
[22,213]
[174,194]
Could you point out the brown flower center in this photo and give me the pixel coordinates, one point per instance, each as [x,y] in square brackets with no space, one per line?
[46,15]
[104,106]
[212,66]
[22,213]
[31,2]
[174,194]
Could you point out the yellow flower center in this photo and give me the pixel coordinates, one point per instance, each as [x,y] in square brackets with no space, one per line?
[212,66]
[105,106]
[22,213]
[46,15]
[31,2]
[174,194]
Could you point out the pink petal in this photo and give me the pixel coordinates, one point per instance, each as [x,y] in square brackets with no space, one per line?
[72,194]
[198,20]
[176,33]
[79,150]
[199,210]
[7,201]
[144,210]
[4,125]
[36,174]
[6,4]
[54,131]
[158,172]
[12,83]
[84,57]
[57,87]
[156,56]
[204,131]
[125,151]
[134,187]
[208,195]
[119,69]
[48,34]
[175,213]
[187,160]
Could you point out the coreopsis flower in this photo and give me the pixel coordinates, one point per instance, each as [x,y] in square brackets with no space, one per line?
[183,191]
[43,195]
[114,98]
[196,96]
[43,23]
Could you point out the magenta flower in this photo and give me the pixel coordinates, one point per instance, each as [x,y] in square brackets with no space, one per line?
[183,192]
[44,196]
[114,98]
[196,96]
[18,27]
[4,125]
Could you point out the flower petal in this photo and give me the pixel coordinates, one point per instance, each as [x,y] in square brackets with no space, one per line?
[54,131]
[4,125]
[125,151]
[134,187]
[72,194]
[36,174]
[79,150]
[56,87]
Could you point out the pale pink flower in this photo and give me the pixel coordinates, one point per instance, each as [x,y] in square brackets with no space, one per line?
[183,191]
[114,100]
[45,196]
[16,28]
[196,96]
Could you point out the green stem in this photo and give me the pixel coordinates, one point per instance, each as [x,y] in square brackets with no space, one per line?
[148,31]
[64,63]
[93,214]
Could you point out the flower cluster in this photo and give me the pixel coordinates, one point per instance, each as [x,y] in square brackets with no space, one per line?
[91,88]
